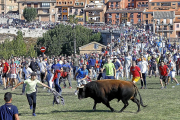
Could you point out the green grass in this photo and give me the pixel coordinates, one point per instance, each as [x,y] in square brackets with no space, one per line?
[162,105]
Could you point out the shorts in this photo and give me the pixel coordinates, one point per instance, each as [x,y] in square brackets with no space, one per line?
[164,78]
[80,82]
[172,74]
[109,77]
[13,76]
[153,67]
[136,79]
[4,75]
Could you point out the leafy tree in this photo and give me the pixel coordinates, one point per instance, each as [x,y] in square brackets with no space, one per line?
[30,14]
[60,40]
[73,19]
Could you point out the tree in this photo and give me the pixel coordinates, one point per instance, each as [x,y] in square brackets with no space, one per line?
[60,40]
[73,19]
[30,14]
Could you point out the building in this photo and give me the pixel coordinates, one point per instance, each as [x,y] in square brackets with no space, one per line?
[7,6]
[162,17]
[70,7]
[91,48]
[125,11]
[46,9]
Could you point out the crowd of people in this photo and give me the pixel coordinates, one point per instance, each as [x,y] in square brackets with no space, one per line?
[121,60]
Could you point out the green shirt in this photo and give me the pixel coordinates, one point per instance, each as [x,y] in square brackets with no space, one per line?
[31,85]
[109,69]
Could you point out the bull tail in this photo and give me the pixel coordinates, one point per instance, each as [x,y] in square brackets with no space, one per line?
[137,91]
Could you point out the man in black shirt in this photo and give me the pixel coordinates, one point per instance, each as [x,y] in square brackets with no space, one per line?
[34,65]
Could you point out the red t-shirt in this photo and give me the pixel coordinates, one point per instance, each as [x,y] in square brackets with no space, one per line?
[163,70]
[135,71]
[97,66]
[5,67]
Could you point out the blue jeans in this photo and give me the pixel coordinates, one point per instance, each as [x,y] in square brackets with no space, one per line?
[75,68]
[24,87]
[48,78]
[1,80]
[57,86]
[18,77]
[109,77]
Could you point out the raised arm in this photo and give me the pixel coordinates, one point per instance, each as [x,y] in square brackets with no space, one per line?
[17,85]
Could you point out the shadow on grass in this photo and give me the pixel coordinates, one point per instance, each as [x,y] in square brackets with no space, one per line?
[57,111]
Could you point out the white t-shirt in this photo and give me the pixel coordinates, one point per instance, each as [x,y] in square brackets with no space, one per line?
[128,60]
[143,65]
[27,72]
[42,66]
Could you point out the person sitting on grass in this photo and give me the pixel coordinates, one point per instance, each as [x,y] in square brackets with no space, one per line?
[31,90]
[8,111]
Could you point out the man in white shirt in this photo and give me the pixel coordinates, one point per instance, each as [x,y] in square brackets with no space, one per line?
[42,66]
[143,65]
[127,64]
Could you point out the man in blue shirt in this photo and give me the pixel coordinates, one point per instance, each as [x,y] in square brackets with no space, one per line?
[8,111]
[81,77]
[66,68]
[56,66]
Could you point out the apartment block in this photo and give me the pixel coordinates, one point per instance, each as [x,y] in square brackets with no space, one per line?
[46,9]
[8,6]
[167,24]
[125,11]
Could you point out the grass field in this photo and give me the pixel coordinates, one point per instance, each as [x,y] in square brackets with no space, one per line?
[162,105]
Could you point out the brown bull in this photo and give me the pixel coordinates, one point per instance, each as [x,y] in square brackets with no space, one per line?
[107,90]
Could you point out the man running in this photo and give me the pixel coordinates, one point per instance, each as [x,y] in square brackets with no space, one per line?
[81,77]
[5,70]
[31,90]
[136,72]
[164,71]
[13,72]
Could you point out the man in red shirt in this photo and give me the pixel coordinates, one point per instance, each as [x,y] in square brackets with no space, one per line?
[164,71]
[5,71]
[136,72]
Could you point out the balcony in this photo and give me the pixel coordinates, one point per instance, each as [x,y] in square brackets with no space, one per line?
[163,30]
[117,5]
[110,16]
[81,13]
[94,14]
[76,13]
[139,6]
[65,18]
[112,6]
[131,16]
[92,21]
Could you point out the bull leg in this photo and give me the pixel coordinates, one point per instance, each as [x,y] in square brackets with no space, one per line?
[137,102]
[125,105]
[108,105]
[94,107]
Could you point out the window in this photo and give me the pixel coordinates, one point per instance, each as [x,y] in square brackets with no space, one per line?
[70,2]
[173,3]
[28,4]
[128,0]
[82,3]
[132,20]
[132,4]
[76,4]
[177,25]
[2,7]
[52,4]
[132,0]
[157,4]
[178,4]
[139,20]
[152,4]
[139,3]
[146,15]
[45,5]
[111,3]
[59,2]
[65,3]
[166,4]
[35,5]
[129,4]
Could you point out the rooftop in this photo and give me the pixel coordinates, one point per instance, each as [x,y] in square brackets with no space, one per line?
[35,1]
[124,10]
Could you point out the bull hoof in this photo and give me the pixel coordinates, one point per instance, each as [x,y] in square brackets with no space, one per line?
[112,110]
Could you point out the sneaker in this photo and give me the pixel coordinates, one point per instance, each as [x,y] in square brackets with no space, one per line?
[34,114]
[5,89]
[44,88]
[64,87]
[31,107]
[76,92]
[165,87]
[142,87]
[162,87]
[70,87]
[177,84]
